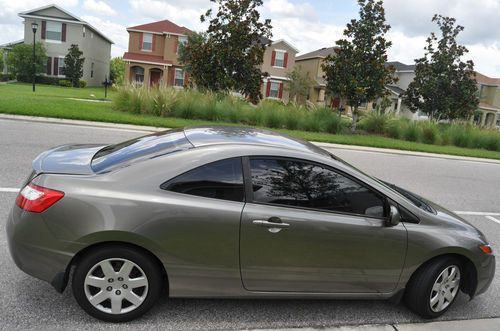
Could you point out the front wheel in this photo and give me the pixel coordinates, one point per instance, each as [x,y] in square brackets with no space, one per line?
[116,284]
[434,288]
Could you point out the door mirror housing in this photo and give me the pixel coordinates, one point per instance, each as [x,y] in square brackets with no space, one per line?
[394,216]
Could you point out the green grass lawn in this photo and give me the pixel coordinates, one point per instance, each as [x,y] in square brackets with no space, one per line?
[51,101]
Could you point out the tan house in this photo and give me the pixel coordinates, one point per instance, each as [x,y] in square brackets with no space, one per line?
[279,58]
[488,112]
[152,56]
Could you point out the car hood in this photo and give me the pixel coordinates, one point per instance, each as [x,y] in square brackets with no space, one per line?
[67,159]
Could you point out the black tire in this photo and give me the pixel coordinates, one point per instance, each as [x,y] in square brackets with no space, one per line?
[147,265]
[418,291]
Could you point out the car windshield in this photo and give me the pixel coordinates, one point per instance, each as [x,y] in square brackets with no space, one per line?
[150,146]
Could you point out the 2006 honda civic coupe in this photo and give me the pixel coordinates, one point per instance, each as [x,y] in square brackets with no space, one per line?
[234,212]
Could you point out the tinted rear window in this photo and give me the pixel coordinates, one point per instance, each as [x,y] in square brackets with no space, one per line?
[150,146]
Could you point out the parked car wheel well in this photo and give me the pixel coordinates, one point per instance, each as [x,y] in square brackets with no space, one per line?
[469,272]
[88,249]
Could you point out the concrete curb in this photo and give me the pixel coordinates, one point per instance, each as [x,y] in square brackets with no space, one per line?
[146,129]
[485,324]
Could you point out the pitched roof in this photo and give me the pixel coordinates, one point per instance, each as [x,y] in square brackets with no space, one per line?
[485,80]
[145,58]
[319,53]
[395,89]
[161,27]
[12,44]
[72,18]
[399,66]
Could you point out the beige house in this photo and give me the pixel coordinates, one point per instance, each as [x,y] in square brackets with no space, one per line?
[488,112]
[279,58]
[152,56]
[58,30]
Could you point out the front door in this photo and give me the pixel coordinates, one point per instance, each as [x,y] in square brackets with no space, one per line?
[310,228]
[155,77]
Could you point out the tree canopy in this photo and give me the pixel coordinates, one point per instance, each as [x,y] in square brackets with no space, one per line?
[299,84]
[73,65]
[444,85]
[20,60]
[227,56]
[356,71]
[117,70]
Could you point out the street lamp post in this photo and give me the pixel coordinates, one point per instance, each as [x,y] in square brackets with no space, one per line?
[34,27]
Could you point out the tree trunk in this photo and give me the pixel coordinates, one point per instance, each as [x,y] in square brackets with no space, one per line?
[354,119]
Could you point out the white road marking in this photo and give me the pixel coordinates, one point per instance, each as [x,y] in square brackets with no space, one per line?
[9,189]
[491,218]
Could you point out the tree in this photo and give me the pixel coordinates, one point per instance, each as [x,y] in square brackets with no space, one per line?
[299,83]
[1,61]
[117,70]
[20,61]
[231,50]
[73,65]
[356,71]
[444,85]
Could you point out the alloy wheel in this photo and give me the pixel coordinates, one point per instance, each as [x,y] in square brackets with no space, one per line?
[445,288]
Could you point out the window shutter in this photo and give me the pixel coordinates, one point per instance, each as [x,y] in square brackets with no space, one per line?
[140,40]
[63,34]
[49,65]
[154,42]
[56,66]
[280,93]
[285,60]
[175,45]
[268,88]
[44,29]
[273,58]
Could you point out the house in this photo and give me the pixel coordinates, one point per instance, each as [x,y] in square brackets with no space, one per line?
[279,58]
[488,112]
[310,64]
[58,30]
[152,56]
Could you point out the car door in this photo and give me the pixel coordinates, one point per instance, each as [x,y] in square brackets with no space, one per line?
[309,228]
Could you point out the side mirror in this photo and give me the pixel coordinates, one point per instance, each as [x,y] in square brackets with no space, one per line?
[394,217]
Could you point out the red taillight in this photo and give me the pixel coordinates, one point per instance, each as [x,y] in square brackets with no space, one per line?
[36,199]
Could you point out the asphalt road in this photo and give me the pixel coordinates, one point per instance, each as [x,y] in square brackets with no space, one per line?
[26,302]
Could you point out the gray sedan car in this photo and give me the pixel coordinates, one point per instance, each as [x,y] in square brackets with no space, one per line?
[232,212]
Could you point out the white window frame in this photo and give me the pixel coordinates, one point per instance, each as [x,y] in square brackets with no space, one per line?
[60,67]
[150,37]
[181,40]
[51,27]
[83,28]
[271,91]
[279,51]
[178,70]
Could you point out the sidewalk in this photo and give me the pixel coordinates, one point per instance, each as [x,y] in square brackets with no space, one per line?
[487,324]
[146,129]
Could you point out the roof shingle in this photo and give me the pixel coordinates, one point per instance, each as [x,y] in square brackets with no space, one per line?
[160,27]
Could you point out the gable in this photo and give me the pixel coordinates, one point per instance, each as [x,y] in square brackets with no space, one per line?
[52,12]
[283,46]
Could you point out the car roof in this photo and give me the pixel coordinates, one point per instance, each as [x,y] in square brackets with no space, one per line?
[213,135]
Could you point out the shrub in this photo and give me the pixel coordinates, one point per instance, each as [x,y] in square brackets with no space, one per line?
[375,122]
[459,135]
[395,128]
[64,83]
[82,84]
[429,132]
[411,132]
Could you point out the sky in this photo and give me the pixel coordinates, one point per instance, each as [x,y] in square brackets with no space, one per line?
[308,25]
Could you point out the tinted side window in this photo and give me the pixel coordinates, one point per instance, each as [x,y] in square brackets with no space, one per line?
[218,180]
[301,184]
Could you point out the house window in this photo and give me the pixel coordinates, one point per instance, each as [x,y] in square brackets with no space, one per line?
[91,34]
[83,32]
[53,31]
[279,60]
[92,70]
[179,77]
[275,90]
[147,41]
[60,67]
[182,41]
[139,75]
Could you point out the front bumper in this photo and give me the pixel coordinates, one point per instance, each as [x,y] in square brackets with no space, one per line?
[35,250]
[485,274]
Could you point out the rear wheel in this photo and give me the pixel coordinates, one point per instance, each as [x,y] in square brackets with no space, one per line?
[116,284]
[434,288]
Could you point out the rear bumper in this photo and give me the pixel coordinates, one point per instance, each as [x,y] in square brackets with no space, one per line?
[35,250]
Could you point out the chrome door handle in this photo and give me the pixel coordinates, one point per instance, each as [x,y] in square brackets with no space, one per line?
[268,224]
